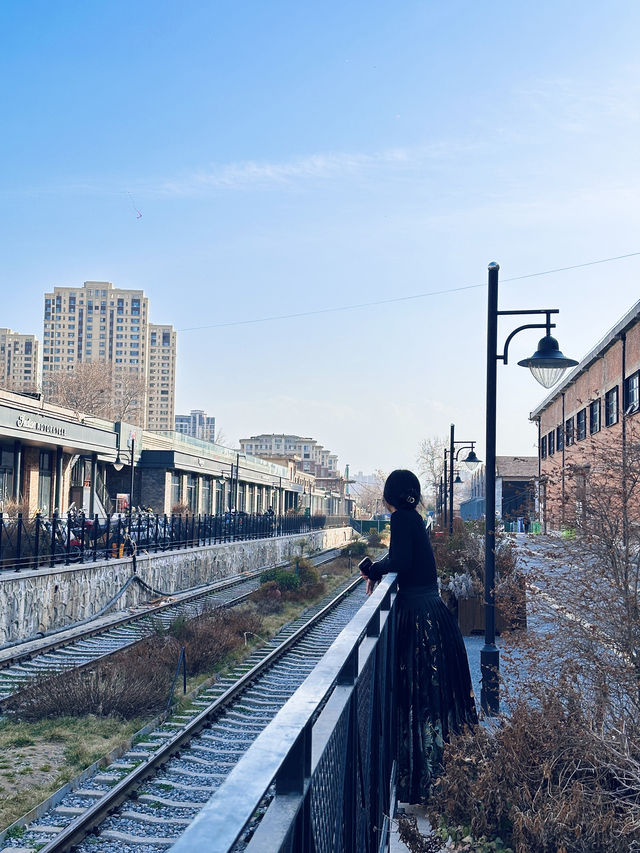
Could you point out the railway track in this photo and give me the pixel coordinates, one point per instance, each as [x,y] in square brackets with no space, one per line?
[144,801]
[89,645]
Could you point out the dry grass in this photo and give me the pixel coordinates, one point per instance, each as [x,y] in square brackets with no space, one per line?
[38,758]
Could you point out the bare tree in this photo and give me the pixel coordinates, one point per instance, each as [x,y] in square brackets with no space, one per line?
[128,403]
[430,464]
[86,388]
[95,388]
[369,495]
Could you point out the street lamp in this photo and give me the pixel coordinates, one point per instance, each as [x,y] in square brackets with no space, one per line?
[547,365]
[119,465]
[471,461]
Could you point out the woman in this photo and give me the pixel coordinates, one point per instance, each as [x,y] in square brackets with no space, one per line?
[434,693]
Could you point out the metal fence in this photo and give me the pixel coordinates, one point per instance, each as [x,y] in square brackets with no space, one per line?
[326,760]
[369,525]
[28,543]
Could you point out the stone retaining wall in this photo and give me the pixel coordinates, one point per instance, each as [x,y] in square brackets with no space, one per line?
[33,602]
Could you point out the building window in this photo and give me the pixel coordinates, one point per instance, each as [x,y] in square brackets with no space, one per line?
[632,393]
[543,447]
[594,416]
[175,490]
[611,407]
[581,422]
[551,443]
[559,438]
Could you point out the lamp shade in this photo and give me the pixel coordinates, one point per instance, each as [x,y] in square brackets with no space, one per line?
[548,364]
[457,479]
[472,461]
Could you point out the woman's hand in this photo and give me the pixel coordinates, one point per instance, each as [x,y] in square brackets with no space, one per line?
[370,586]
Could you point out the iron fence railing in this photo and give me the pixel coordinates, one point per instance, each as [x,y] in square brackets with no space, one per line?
[369,525]
[27,543]
[325,764]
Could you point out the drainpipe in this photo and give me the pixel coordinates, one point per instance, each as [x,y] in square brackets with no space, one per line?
[625,517]
[562,518]
[17,471]
[58,485]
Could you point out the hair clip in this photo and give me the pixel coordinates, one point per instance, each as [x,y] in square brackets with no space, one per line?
[411,499]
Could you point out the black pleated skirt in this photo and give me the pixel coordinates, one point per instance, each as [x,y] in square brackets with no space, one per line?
[434,693]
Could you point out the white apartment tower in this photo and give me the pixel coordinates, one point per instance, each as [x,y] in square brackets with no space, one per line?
[161,394]
[100,323]
[197,424]
[19,361]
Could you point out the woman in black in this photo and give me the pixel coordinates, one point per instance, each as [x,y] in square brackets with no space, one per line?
[434,693]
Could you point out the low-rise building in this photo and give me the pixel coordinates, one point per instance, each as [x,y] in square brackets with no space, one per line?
[587,424]
[515,489]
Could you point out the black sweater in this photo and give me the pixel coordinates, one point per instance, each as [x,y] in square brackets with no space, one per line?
[410,555]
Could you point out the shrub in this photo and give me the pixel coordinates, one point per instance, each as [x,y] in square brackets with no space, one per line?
[268,597]
[358,548]
[285,579]
[375,540]
[128,684]
[208,639]
[309,579]
[541,782]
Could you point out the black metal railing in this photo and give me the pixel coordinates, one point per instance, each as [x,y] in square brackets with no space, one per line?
[327,757]
[27,543]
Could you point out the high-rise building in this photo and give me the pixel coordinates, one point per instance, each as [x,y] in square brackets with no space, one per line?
[97,323]
[19,361]
[197,424]
[161,394]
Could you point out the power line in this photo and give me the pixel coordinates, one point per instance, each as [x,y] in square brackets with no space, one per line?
[395,299]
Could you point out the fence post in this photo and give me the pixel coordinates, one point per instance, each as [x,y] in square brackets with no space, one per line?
[107,537]
[68,542]
[1,530]
[19,541]
[82,524]
[95,536]
[38,526]
[54,522]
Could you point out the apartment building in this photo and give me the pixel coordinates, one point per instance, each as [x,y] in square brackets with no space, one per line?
[589,424]
[98,323]
[161,388]
[19,361]
[314,458]
[197,424]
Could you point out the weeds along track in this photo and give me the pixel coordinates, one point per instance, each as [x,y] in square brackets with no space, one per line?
[144,801]
[91,643]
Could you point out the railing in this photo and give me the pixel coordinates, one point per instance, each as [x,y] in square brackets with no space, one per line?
[327,757]
[28,543]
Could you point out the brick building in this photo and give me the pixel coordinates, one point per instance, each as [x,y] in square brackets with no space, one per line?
[586,425]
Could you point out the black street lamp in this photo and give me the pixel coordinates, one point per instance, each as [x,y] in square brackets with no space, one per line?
[119,465]
[471,463]
[547,365]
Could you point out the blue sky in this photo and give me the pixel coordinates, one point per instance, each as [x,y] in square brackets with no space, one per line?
[289,157]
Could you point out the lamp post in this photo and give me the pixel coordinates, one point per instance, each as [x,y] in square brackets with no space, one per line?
[471,462]
[119,465]
[547,365]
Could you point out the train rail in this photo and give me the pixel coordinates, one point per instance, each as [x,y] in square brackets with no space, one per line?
[145,800]
[24,662]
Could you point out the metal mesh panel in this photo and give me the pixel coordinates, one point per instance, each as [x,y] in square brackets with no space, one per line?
[327,792]
[365,693]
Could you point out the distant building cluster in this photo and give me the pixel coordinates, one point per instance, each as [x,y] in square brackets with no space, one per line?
[314,458]
[197,424]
